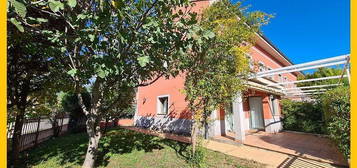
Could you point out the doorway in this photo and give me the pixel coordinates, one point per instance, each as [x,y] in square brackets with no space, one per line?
[256,113]
[228,117]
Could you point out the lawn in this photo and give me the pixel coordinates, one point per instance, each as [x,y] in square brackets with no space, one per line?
[124,148]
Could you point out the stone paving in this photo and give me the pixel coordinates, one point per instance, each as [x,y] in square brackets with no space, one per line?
[281,150]
[298,144]
[317,149]
[270,159]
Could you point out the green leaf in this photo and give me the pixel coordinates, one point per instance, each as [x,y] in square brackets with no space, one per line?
[143,60]
[77,39]
[17,24]
[72,3]
[91,37]
[20,8]
[63,49]
[81,16]
[101,73]
[55,6]
[72,72]
[42,20]
[209,34]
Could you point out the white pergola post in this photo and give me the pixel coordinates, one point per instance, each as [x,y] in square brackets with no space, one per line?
[238,118]
[349,76]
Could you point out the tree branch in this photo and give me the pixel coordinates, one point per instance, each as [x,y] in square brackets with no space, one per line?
[151,82]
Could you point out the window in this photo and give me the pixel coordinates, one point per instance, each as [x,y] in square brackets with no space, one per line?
[274,105]
[261,66]
[251,61]
[162,104]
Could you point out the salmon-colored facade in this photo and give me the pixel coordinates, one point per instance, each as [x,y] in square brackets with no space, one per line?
[173,87]
[260,104]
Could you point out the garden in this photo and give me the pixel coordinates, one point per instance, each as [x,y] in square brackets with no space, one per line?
[125,148]
[97,53]
[86,59]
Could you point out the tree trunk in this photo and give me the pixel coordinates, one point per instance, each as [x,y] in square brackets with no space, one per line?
[92,150]
[206,129]
[205,124]
[92,124]
[16,139]
[61,127]
[194,136]
[55,126]
[37,130]
[116,120]
[93,130]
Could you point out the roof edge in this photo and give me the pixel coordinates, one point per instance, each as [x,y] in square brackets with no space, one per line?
[270,43]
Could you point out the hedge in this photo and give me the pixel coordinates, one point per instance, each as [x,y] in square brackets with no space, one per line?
[302,116]
[336,108]
[329,114]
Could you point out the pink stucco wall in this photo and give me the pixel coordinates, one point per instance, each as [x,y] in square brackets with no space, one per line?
[147,96]
[259,54]
[267,113]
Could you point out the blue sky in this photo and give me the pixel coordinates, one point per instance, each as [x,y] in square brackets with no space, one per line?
[307,30]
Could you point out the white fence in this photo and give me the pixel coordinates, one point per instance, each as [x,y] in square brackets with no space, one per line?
[35,131]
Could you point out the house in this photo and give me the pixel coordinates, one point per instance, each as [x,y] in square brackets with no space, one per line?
[162,106]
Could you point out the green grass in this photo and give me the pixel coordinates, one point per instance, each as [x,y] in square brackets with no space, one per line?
[124,148]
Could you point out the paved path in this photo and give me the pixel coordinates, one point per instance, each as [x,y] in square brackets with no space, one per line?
[298,144]
[270,158]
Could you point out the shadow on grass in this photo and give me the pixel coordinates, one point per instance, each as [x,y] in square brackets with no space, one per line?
[71,149]
[180,148]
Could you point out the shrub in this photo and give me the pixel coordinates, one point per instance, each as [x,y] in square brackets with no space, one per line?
[336,107]
[77,117]
[302,116]
[198,159]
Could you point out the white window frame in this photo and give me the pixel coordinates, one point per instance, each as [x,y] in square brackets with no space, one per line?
[158,104]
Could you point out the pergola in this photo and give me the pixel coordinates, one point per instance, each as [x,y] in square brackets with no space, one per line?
[262,81]
[307,91]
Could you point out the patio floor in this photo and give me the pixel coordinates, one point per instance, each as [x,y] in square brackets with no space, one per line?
[298,146]
[282,150]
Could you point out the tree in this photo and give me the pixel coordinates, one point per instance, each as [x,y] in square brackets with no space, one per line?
[29,65]
[116,44]
[106,45]
[120,103]
[76,115]
[51,106]
[218,67]
[322,72]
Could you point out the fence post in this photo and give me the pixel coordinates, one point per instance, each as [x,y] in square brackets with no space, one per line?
[37,130]
[60,130]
